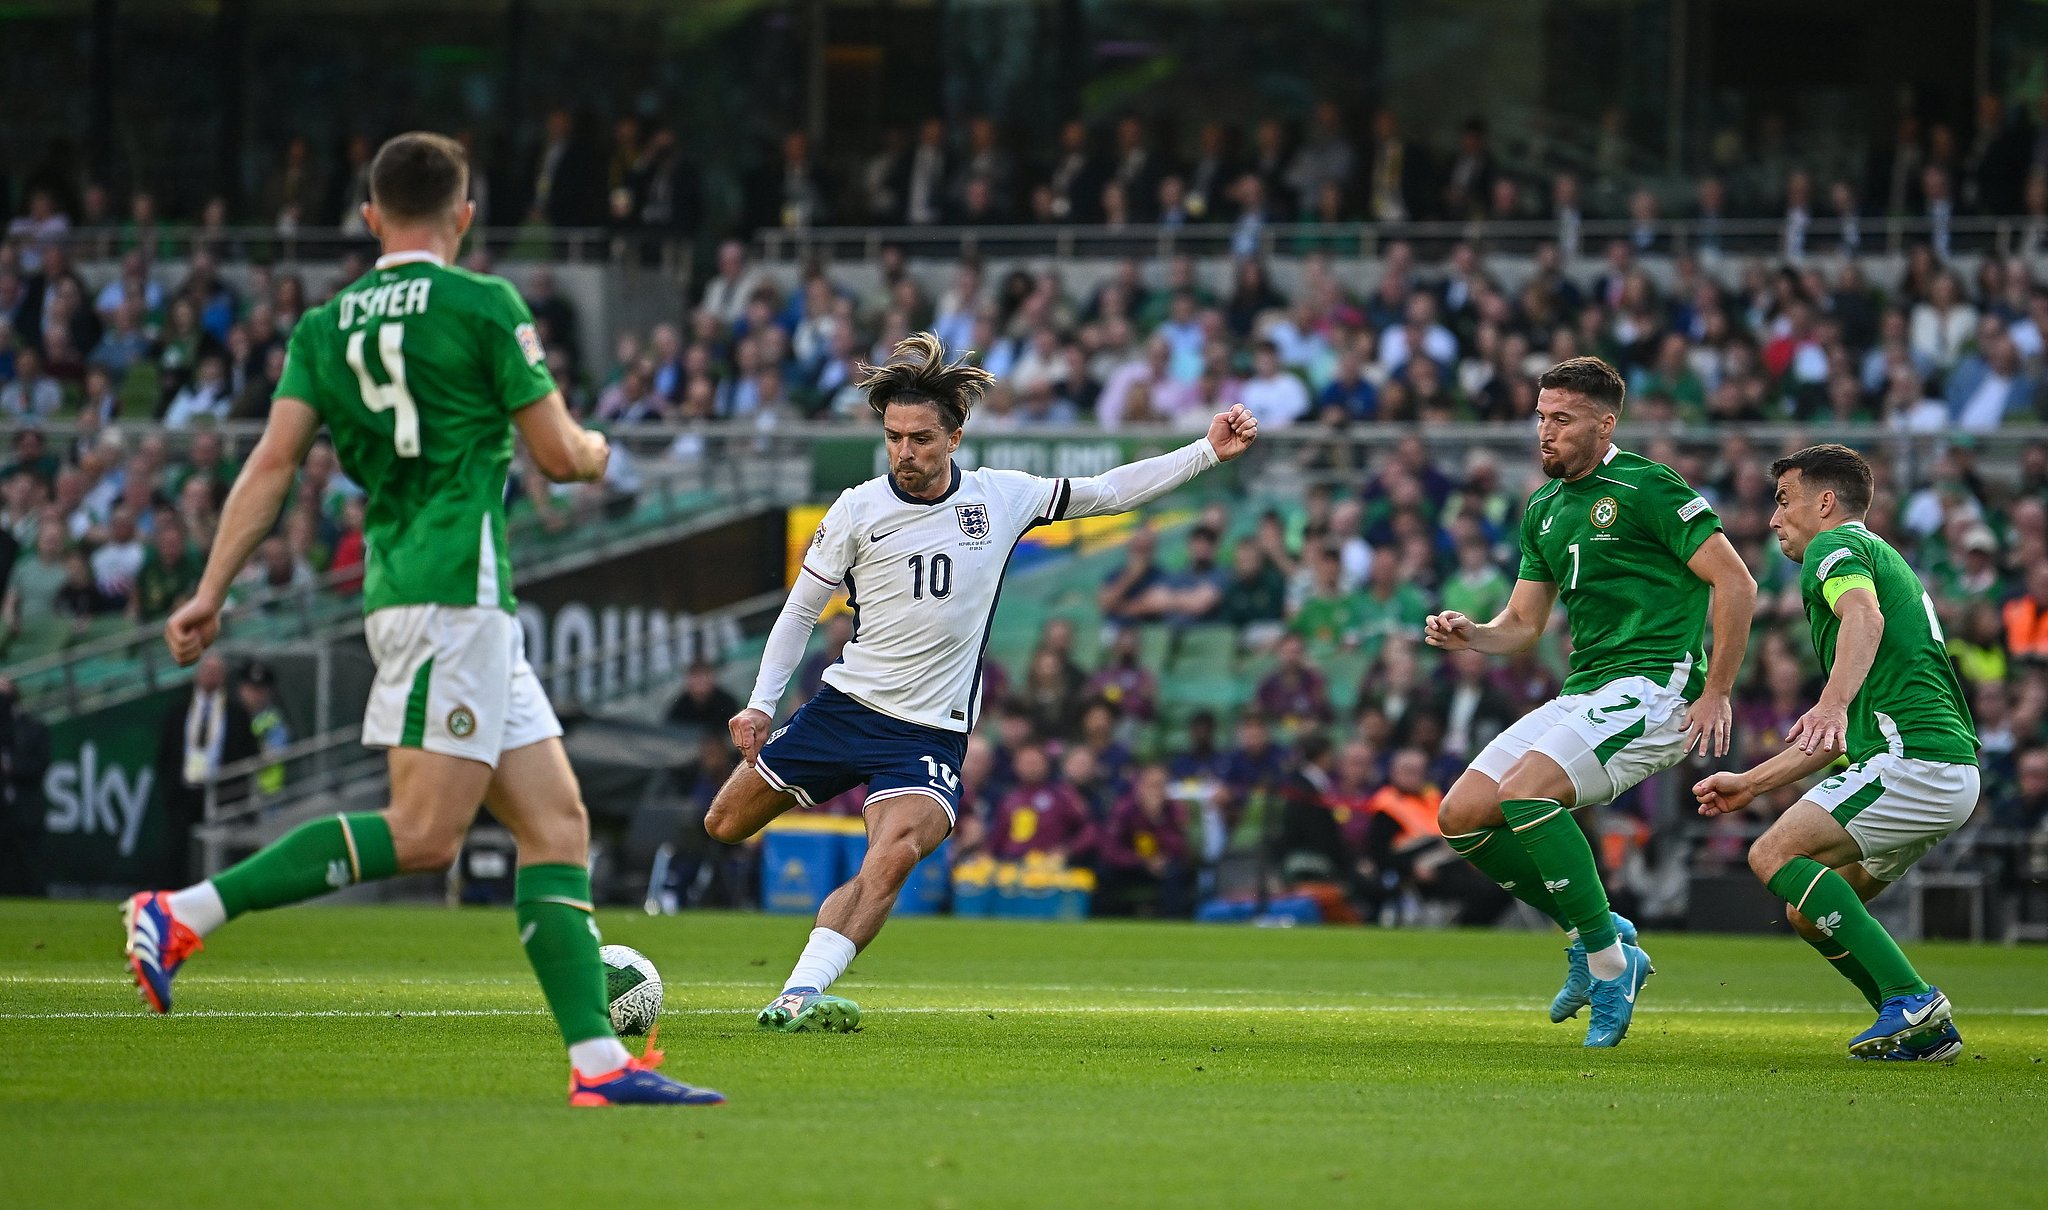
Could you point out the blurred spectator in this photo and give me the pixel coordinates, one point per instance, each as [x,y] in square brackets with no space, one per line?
[925,173]
[257,694]
[1126,597]
[1255,597]
[2026,807]
[1404,847]
[1323,161]
[1274,395]
[792,193]
[118,561]
[1123,682]
[170,572]
[1469,184]
[1042,818]
[703,702]
[1329,617]
[726,295]
[1989,386]
[1147,858]
[1194,593]
[205,730]
[2026,617]
[1306,844]
[30,608]
[33,394]
[1294,695]
[205,398]
[567,187]
[1397,173]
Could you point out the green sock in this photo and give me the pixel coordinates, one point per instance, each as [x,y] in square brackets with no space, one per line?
[310,860]
[1564,857]
[556,926]
[1845,962]
[1827,899]
[1495,853]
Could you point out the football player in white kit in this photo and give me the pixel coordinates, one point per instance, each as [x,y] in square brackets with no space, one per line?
[921,552]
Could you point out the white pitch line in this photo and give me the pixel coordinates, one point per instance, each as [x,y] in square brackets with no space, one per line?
[1337,1001]
[928,1009]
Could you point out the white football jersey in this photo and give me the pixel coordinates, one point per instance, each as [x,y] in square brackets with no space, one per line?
[923,578]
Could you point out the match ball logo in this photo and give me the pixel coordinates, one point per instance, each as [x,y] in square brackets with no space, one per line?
[461,723]
[1605,510]
[973,520]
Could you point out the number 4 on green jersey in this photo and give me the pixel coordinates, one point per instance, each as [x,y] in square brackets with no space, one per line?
[416,369]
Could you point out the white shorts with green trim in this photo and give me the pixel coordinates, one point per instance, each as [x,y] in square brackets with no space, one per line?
[1606,741]
[453,679]
[1897,808]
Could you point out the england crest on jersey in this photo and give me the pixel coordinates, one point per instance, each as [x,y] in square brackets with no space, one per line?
[973,520]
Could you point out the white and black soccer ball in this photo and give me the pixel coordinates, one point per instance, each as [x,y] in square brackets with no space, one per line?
[633,987]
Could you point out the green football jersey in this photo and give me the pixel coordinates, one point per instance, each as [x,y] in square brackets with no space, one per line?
[1911,704]
[417,369]
[1616,545]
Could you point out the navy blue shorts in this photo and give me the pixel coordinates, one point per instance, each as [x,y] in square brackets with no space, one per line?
[834,744]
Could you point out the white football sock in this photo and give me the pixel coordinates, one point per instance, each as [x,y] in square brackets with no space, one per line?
[1608,963]
[824,959]
[598,1056]
[198,907]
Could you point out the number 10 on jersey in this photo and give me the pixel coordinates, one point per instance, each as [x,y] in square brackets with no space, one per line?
[941,579]
[393,396]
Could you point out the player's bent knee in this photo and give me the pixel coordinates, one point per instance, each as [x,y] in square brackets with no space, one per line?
[891,861]
[1456,816]
[1473,803]
[723,824]
[1536,777]
[561,837]
[424,849]
[1767,857]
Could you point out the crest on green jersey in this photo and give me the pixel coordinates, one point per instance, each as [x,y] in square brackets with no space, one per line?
[1605,510]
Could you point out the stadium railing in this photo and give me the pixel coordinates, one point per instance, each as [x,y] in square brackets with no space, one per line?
[1891,235]
[1887,235]
[268,245]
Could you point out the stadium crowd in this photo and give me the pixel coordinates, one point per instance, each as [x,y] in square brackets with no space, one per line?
[1323,165]
[1075,763]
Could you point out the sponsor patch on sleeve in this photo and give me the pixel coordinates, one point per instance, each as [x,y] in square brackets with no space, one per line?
[529,344]
[1828,564]
[1693,508]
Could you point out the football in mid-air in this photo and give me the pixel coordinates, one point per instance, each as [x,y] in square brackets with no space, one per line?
[633,987]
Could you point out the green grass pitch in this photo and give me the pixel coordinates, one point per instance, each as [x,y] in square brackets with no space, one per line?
[390,1056]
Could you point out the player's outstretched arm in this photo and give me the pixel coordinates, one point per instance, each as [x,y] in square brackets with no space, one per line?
[779,658]
[1710,721]
[565,451]
[1721,793]
[245,520]
[1824,730]
[1517,627]
[1138,483]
